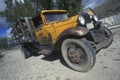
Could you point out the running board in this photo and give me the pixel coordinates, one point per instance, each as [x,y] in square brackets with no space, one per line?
[45,52]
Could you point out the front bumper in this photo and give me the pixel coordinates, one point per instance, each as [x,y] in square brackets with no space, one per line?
[104,44]
[107,40]
[102,37]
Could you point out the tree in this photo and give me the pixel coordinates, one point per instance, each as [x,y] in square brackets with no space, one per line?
[72,6]
[44,4]
[3,43]
[13,12]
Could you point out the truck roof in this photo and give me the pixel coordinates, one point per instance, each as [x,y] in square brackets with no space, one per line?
[45,11]
[49,11]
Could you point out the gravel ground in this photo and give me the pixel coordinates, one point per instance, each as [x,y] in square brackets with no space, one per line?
[14,67]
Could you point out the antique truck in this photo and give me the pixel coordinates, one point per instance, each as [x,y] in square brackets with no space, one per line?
[77,38]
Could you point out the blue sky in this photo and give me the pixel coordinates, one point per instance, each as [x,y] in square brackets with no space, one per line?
[91,3]
[3,31]
[4,25]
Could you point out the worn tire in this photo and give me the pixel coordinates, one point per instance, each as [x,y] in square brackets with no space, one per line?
[26,53]
[88,51]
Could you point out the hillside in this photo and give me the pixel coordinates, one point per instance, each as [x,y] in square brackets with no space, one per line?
[108,8]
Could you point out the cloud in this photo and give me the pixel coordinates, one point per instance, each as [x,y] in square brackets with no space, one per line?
[2,5]
[91,3]
[18,1]
[3,22]
[8,34]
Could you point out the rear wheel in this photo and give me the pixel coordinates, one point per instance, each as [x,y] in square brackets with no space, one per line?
[78,54]
[26,53]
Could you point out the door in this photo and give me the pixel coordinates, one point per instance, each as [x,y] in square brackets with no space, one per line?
[40,32]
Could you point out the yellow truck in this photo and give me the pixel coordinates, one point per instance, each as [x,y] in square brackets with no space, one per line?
[77,38]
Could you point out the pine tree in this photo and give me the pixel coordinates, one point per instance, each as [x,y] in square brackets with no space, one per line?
[3,43]
[72,6]
[13,12]
[44,4]
[26,9]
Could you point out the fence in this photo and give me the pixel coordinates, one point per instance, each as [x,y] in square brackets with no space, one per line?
[112,20]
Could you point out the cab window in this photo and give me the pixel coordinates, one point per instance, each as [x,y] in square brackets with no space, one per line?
[37,21]
[55,16]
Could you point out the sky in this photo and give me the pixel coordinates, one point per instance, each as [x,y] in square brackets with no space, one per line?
[91,3]
[3,27]
[3,24]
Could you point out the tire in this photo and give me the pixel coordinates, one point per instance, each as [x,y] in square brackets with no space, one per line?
[26,53]
[107,32]
[72,57]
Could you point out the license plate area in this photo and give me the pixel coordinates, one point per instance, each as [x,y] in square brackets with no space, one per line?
[90,26]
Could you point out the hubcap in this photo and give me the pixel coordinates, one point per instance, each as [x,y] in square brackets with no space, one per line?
[75,54]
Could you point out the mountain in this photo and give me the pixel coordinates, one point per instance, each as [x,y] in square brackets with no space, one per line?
[108,8]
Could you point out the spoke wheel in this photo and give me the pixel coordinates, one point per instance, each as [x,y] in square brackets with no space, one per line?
[78,54]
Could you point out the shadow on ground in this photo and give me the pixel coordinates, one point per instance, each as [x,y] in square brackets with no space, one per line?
[55,56]
[52,57]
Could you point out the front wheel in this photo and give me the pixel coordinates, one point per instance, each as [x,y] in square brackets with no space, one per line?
[78,54]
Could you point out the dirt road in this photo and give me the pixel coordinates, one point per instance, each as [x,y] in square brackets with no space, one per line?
[14,67]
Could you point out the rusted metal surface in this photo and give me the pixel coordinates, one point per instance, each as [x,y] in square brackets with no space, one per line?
[75,54]
[104,43]
[77,31]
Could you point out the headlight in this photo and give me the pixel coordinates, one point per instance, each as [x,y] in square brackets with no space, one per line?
[95,18]
[81,20]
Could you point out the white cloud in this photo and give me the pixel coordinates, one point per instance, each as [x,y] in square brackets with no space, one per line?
[2,5]
[18,1]
[3,22]
[8,34]
[91,5]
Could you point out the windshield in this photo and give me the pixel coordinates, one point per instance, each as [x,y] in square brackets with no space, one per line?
[55,16]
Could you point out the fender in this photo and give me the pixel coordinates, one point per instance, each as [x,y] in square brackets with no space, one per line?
[75,32]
